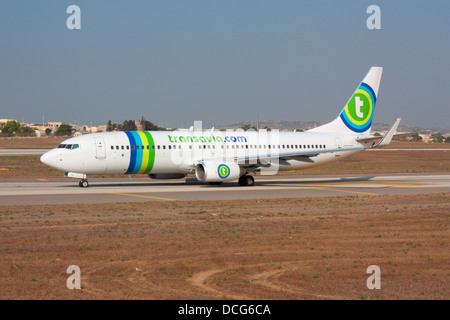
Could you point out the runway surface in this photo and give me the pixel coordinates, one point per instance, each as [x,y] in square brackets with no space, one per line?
[107,190]
[21,152]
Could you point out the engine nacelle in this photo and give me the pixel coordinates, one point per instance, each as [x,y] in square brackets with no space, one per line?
[166,175]
[218,171]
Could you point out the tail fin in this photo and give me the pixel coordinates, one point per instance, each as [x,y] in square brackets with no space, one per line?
[356,117]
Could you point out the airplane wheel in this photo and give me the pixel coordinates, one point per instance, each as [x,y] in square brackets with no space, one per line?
[243,181]
[83,183]
[246,180]
[250,180]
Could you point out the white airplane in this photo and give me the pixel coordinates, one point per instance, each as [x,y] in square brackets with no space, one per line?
[218,156]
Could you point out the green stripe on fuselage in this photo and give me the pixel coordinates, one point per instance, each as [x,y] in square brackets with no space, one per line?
[151,153]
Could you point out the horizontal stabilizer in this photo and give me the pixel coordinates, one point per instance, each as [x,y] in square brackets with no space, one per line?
[388,137]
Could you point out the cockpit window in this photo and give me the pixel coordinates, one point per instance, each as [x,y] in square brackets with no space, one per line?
[69,146]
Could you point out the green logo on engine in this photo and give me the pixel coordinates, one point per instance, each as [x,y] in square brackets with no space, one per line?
[223,171]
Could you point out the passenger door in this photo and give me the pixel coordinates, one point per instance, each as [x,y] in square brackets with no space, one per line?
[100,149]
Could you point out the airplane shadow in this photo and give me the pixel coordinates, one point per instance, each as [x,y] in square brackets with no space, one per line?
[193,181]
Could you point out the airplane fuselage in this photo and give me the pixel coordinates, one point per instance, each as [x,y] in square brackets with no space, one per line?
[155,152]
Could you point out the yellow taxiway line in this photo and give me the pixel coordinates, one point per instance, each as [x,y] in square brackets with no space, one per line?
[140,196]
[347,191]
[365,182]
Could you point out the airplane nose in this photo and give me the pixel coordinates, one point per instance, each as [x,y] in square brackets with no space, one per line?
[49,158]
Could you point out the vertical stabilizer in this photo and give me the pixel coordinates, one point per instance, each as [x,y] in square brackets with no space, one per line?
[357,115]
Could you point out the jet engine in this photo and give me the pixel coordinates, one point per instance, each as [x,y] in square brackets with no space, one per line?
[218,171]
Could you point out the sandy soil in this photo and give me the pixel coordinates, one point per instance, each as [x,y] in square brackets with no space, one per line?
[317,248]
[309,248]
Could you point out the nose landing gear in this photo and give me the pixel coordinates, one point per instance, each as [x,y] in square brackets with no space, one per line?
[83,183]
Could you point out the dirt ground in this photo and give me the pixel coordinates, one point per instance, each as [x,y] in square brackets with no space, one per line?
[309,248]
[283,249]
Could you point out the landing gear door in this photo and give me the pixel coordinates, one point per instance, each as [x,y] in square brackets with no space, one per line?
[100,149]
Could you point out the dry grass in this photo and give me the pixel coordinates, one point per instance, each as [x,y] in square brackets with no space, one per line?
[309,248]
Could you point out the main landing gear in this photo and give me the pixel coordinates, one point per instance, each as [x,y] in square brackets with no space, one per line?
[246,180]
[83,183]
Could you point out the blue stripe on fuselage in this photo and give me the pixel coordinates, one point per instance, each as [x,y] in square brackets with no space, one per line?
[133,152]
[138,151]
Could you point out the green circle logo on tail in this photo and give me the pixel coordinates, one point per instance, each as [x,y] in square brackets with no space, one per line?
[358,113]
[223,171]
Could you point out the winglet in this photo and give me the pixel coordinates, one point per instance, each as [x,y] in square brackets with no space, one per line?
[388,137]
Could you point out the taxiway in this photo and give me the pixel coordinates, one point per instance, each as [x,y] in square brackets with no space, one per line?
[107,190]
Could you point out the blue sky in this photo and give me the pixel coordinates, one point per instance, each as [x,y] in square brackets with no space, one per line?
[221,62]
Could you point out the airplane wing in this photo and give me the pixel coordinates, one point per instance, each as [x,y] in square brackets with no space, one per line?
[380,141]
[261,160]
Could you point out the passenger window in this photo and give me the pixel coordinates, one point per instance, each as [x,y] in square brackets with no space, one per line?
[159,147]
[164,147]
[137,147]
[128,147]
[170,147]
[132,147]
[117,147]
